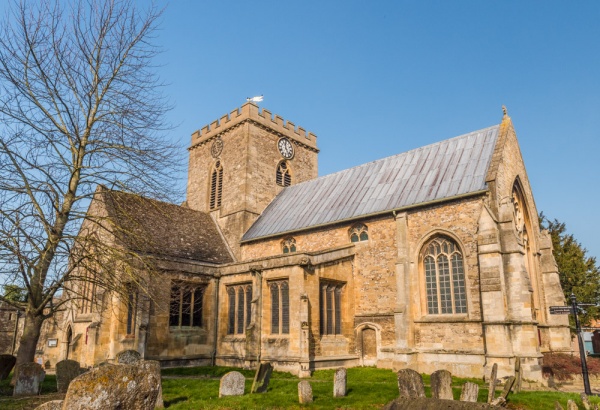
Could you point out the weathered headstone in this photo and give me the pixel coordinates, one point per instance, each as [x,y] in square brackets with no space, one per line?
[498,401]
[7,362]
[51,405]
[261,378]
[232,384]
[586,402]
[507,387]
[470,392]
[551,382]
[305,394]
[160,404]
[410,384]
[123,386]
[66,371]
[128,357]
[571,405]
[441,385]
[518,376]
[557,406]
[492,383]
[339,382]
[29,377]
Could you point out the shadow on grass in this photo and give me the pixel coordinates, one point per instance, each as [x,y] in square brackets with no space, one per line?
[175,400]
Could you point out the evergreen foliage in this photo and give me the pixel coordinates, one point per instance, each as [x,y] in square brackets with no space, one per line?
[579,273]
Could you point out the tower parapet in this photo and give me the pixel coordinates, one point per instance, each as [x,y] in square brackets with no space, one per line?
[263,118]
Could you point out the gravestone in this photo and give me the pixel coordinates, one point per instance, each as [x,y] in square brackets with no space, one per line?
[7,362]
[551,382]
[128,357]
[339,382]
[492,383]
[232,384]
[28,379]
[131,387]
[571,405]
[557,406]
[424,403]
[441,385]
[66,371]
[305,394]
[410,384]
[518,376]
[507,387]
[586,402]
[261,378]
[469,392]
[51,405]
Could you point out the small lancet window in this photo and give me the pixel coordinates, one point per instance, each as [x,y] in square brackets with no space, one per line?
[289,245]
[216,186]
[284,175]
[359,233]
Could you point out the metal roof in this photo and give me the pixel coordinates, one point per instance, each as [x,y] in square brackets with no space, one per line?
[446,169]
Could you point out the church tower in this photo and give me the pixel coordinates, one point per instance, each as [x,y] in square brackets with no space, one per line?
[239,163]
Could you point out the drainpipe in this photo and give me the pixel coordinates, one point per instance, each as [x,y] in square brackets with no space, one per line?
[216,324]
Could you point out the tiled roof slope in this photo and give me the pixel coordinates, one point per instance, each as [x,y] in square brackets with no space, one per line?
[445,169]
[159,228]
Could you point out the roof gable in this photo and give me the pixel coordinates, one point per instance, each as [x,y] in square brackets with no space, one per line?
[446,169]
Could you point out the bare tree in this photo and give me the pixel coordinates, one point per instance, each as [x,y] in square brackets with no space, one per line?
[80,105]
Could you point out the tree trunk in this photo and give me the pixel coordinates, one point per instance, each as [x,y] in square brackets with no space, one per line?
[29,339]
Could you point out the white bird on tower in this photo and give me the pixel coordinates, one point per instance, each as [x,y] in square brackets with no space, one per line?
[258,98]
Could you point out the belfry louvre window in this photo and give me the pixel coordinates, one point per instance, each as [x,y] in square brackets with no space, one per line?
[358,233]
[131,308]
[216,186]
[239,298]
[444,277]
[330,308]
[288,245]
[186,305]
[283,176]
[280,307]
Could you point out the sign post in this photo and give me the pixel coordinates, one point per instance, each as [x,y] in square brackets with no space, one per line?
[572,310]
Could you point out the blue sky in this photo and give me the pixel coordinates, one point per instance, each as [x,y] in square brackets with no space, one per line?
[372,79]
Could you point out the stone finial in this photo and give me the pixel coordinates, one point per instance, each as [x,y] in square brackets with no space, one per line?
[504,111]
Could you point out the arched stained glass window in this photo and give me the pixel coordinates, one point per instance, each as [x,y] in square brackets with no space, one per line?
[288,245]
[444,277]
[358,233]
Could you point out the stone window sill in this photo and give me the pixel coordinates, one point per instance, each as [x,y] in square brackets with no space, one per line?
[450,318]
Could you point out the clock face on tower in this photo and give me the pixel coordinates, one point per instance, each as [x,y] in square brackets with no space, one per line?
[285,148]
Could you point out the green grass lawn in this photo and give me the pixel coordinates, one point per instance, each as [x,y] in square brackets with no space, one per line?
[368,388]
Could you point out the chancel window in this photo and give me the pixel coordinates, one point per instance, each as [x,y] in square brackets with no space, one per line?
[358,233]
[288,245]
[216,186]
[239,301]
[186,305]
[444,277]
[280,307]
[330,307]
[284,175]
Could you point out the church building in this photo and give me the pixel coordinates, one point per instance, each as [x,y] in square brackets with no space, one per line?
[430,259]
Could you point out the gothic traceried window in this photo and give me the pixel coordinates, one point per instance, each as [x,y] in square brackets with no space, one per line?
[186,304]
[239,302]
[284,175]
[358,233]
[330,307]
[444,277]
[216,186]
[288,245]
[280,307]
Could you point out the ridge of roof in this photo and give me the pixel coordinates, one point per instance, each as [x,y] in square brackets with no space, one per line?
[448,168]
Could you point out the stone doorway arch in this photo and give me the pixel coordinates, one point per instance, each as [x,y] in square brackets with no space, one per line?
[368,343]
